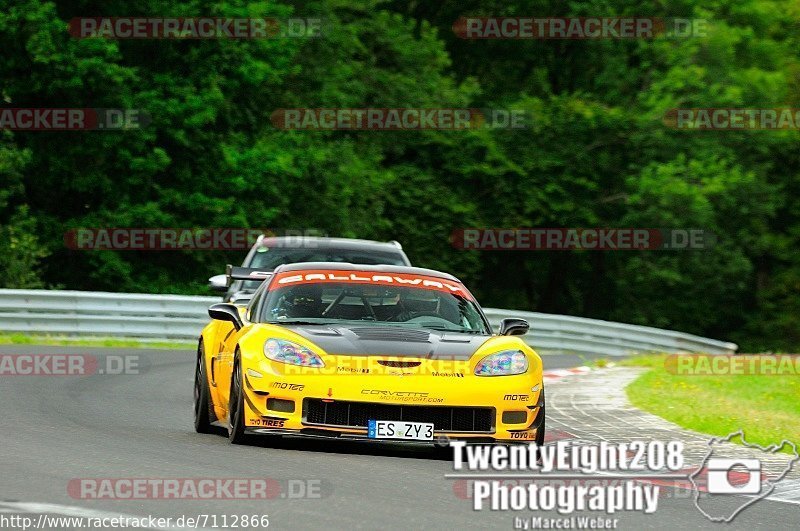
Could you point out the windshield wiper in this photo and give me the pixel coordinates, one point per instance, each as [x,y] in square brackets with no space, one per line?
[456,330]
[299,322]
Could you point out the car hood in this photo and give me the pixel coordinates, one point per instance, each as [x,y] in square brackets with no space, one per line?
[391,341]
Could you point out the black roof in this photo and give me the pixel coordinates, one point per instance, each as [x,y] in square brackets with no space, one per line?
[328,243]
[344,266]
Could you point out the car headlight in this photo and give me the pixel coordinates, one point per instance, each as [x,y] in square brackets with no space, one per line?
[503,363]
[291,353]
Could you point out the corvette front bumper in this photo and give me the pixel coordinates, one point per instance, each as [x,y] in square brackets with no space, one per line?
[472,408]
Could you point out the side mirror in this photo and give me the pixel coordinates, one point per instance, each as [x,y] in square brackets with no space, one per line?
[512,326]
[226,312]
[218,283]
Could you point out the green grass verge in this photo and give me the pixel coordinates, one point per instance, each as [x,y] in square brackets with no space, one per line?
[765,407]
[23,339]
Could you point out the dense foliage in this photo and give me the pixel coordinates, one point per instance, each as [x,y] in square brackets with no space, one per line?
[598,154]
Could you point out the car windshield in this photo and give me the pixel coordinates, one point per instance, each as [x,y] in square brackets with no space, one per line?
[447,308]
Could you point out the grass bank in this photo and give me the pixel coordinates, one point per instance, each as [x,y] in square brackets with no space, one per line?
[765,406]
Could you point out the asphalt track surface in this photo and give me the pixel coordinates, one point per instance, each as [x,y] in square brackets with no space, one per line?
[60,428]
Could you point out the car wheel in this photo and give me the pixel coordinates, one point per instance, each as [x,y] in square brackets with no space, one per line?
[540,434]
[236,406]
[540,431]
[203,409]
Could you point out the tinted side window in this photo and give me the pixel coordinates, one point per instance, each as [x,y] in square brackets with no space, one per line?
[253,307]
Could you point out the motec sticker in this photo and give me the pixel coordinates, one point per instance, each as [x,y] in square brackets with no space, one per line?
[291,278]
[288,386]
[523,398]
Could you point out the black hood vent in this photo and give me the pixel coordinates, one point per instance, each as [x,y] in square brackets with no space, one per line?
[399,364]
[382,340]
[391,333]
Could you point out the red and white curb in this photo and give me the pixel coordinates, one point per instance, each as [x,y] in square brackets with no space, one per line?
[557,374]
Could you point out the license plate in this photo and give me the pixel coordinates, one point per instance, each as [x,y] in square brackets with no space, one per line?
[398,429]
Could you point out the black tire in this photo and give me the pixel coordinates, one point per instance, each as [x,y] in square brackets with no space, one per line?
[541,430]
[203,409]
[236,433]
[540,433]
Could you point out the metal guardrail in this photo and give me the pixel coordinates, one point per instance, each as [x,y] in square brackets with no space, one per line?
[181,317]
[88,313]
[563,333]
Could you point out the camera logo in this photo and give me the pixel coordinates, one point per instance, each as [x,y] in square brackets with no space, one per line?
[721,480]
[748,479]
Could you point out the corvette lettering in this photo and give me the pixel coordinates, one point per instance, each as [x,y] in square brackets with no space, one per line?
[396,279]
[393,393]
[402,396]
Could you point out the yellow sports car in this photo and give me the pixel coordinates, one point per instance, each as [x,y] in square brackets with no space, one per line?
[382,353]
